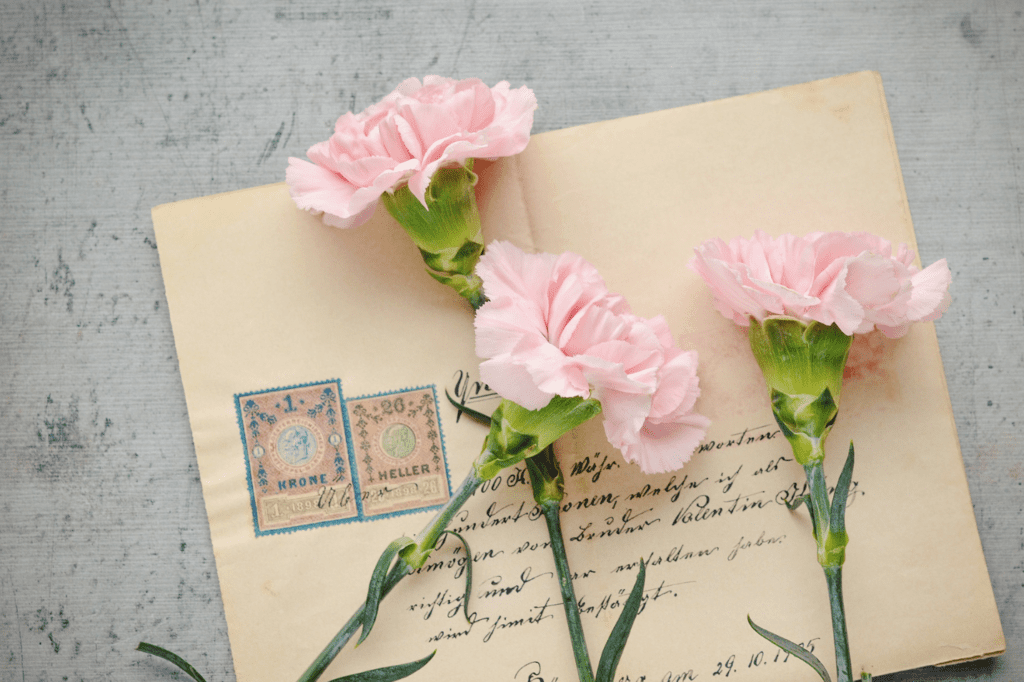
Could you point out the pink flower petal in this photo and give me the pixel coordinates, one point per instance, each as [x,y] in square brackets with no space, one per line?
[417,128]
[929,297]
[550,327]
[853,280]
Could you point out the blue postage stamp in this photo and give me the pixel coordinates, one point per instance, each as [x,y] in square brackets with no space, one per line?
[297,457]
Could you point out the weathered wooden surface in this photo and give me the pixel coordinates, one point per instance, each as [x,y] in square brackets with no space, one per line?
[109,108]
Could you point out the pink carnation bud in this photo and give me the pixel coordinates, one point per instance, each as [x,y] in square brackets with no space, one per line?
[551,327]
[852,280]
[406,137]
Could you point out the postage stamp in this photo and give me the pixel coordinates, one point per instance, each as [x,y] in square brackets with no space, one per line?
[297,457]
[399,451]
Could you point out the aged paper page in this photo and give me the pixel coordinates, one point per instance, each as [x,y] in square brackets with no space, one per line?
[272,309]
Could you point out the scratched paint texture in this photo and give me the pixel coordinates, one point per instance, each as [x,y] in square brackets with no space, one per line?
[108,108]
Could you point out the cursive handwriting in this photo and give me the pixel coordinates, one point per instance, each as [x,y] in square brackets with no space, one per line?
[761,541]
[468,390]
[586,466]
[623,525]
[499,590]
[747,436]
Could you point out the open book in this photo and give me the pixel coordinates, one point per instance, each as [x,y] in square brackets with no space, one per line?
[315,363]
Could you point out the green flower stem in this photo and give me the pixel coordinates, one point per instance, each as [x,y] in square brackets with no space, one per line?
[410,561]
[415,557]
[832,563]
[548,486]
[572,609]
[317,667]
[844,666]
[818,502]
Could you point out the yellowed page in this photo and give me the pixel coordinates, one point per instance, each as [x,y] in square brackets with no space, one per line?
[263,297]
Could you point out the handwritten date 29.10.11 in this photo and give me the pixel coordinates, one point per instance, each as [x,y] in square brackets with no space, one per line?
[532,672]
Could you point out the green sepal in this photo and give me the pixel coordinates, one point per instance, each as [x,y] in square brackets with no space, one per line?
[174,658]
[517,433]
[374,593]
[802,364]
[447,229]
[616,643]
[546,478]
[792,648]
[469,572]
[835,544]
[388,674]
[479,416]
[455,259]
[469,287]
[800,358]
[805,422]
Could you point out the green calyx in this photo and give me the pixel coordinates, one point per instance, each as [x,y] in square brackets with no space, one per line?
[802,363]
[447,229]
[517,433]
[546,478]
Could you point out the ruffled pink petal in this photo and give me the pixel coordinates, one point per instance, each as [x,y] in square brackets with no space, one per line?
[508,272]
[416,129]
[678,385]
[550,327]
[501,325]
[856,281]
[516,383]
[620,366]
[929,296]
[317,189]
[624,415]
[666,447]
[354,221]
[364,172]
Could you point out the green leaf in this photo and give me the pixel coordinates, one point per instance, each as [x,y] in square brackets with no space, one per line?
[792,648]
[794,504]
[810,510]
[479,416]
[469,573]
[172,657]
[373,595]
[394,672]
[837,516]
[837,538]
[616,643]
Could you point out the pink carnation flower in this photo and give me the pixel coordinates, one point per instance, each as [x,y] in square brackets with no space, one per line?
[406,137]
[854,281]
[551,328]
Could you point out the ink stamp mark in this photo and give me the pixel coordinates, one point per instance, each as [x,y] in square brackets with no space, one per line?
[399,452]
[297,456]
